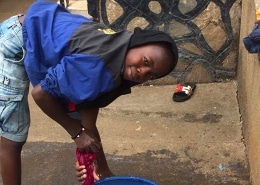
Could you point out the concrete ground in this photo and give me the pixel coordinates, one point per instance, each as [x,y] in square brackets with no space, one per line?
[197,142]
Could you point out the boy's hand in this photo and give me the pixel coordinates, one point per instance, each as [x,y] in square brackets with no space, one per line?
[81,172]
[87,142]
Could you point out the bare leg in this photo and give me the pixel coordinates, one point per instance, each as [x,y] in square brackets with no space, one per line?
[88,119]
[10,160]
[103,169]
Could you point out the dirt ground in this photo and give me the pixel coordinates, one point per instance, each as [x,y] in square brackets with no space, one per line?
[197,142]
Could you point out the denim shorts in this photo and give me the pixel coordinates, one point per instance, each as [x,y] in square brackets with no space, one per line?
[14,82]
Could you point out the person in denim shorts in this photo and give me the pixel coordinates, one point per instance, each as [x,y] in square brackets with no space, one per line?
[75,66]
[14,110]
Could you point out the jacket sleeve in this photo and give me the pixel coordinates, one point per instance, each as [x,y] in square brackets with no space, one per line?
[78,77]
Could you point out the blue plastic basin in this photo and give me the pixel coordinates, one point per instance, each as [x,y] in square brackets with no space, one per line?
[125,180]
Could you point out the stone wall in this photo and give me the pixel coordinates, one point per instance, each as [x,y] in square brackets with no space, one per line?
[206,32]
[248,93]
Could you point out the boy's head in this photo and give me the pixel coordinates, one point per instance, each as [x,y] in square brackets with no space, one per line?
[152,54]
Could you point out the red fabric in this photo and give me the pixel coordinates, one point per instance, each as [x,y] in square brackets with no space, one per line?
[87,159]
[71,106]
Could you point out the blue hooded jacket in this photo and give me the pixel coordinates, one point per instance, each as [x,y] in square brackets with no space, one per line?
[73,58]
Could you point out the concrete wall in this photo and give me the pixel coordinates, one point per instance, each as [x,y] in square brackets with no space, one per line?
[249,91]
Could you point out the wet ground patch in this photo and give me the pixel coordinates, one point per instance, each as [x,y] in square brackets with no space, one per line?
[53,163]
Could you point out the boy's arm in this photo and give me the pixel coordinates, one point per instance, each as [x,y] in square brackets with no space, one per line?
[53,108]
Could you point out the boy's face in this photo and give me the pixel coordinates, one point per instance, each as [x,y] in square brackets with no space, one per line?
[145,63]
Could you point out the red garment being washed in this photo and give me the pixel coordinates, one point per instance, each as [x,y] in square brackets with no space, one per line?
[87,159]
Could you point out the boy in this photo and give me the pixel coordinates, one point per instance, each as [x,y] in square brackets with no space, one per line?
[76,66]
